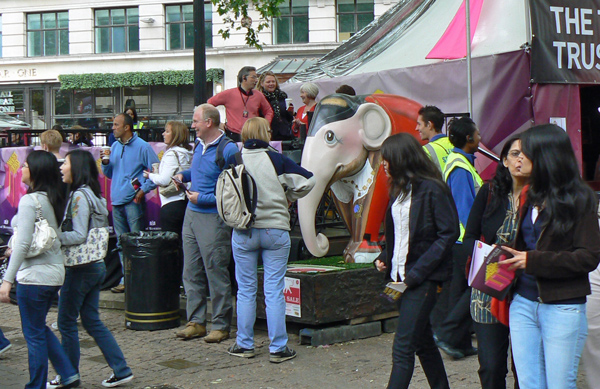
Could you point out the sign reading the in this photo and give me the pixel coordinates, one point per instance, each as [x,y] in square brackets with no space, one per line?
[566,41]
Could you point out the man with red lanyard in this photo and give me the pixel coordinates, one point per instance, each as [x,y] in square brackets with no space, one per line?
[242,103]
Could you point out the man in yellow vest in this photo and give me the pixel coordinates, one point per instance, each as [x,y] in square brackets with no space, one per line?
[429,126]
[454,337]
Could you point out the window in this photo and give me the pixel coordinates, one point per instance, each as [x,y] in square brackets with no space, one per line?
[117,30]
[47,34]
[180,26]
[0,36]
[292,25]
[353,15]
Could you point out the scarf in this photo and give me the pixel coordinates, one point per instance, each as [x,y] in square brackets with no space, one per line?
[274,98]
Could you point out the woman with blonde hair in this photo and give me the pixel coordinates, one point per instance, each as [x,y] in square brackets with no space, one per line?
[178,157]
[268,238]
[281,125]
[308,94]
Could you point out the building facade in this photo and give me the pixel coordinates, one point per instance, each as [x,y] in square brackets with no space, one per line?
[80,62]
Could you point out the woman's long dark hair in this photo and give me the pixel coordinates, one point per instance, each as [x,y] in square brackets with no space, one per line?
[501,184]
[407,164]
[44,176]
[555,182]
[84,171]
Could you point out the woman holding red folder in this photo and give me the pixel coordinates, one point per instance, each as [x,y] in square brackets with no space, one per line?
[493,219]
[557,245]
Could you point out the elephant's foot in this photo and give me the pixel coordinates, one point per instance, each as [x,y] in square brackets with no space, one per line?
[361,252]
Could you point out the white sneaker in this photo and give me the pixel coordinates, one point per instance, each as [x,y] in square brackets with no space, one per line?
[5,348]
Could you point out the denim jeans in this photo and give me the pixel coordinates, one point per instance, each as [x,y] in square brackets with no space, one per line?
[414,335]
[34,304]
[274,247]
[127,218]
[547,340]
[3,341]
[80,296]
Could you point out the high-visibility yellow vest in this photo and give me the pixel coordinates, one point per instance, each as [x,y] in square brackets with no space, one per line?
[438,151]
[454,161]
[138,126]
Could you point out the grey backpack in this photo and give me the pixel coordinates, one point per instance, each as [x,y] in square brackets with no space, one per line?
[236,195]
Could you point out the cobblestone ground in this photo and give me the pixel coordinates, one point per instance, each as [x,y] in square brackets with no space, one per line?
[159,360]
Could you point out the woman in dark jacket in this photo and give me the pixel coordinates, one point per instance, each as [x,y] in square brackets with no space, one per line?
[493,219]
[421,225]
[281,125]
[557,245]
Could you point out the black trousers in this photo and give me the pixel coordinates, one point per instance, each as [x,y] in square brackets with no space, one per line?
[171,216]
[492,351]
[414,335]
[234,136]
[456,329]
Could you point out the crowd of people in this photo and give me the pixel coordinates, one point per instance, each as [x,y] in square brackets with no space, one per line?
[537,207]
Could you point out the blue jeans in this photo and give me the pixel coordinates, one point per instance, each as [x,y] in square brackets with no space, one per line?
[80,295]
[3,341]
[127,218]
[274,247]
[547,340]
[34,304]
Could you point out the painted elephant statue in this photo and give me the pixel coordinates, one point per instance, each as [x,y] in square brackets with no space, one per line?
[342,151]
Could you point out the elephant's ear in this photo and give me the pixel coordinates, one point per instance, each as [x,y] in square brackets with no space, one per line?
[376,125]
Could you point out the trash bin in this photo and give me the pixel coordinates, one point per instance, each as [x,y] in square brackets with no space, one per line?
[152,262]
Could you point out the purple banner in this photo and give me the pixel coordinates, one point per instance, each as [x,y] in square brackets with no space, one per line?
[11,189]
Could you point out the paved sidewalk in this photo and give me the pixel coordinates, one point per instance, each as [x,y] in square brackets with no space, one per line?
[159,360]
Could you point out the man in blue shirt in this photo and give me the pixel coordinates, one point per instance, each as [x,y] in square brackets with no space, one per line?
[129,157]
[206,238]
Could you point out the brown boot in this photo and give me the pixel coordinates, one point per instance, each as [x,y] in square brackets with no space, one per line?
[192,330]
[216,336]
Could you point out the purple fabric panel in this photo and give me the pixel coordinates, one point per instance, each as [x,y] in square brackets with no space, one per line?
[560,100]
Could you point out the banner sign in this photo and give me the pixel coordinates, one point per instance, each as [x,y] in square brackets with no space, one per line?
[12,189]
[566,41]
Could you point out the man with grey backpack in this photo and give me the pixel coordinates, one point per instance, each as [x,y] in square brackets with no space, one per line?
[206,239]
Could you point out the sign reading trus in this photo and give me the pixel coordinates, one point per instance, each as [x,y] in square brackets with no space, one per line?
[566,41]
[18,73]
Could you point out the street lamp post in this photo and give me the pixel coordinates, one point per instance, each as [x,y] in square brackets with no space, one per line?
[199,54]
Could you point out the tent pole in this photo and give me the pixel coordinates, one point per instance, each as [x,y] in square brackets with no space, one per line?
[469,76]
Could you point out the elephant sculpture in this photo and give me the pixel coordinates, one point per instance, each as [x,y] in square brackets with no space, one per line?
[342,151]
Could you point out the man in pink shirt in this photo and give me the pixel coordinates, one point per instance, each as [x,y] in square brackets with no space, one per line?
[242,103]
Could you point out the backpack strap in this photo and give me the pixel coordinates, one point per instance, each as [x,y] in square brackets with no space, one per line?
[219,159]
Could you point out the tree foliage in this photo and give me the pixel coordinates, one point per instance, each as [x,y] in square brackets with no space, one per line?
[235,16]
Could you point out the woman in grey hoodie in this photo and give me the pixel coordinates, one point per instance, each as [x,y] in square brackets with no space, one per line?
[80,293]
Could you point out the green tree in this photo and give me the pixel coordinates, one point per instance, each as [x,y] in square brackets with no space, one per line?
[235,16]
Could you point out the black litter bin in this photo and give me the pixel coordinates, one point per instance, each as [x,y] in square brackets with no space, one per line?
[152,262]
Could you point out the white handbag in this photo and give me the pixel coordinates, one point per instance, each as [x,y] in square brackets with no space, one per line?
[43,235]
[95,246]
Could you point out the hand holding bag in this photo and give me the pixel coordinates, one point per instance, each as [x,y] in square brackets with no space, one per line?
[171,189]
[43,235]
[95,246]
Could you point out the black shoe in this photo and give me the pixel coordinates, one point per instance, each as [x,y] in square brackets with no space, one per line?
[113,381]
[454,353]
[469,351]
[282,356]
[238,351]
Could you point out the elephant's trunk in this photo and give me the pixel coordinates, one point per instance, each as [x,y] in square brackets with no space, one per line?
[318,245]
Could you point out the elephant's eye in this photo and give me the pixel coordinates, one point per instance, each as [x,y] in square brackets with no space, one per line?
[330,137]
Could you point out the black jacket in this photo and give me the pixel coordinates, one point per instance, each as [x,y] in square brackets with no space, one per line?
[433,229]
[478,225]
